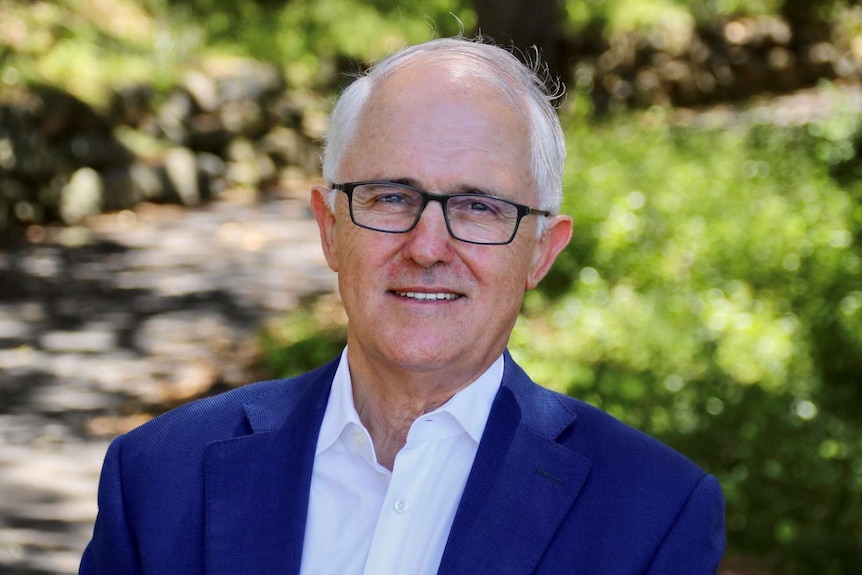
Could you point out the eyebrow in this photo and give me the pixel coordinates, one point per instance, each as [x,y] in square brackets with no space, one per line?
[461,189]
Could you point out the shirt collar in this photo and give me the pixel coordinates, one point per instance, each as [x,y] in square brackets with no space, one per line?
[340,409]
[470,407]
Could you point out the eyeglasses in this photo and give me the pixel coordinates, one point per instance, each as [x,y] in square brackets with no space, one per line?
[395,208]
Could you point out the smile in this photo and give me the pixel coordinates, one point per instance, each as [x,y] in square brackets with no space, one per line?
[427,296]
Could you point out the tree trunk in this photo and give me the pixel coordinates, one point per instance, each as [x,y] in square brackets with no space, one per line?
[525,24]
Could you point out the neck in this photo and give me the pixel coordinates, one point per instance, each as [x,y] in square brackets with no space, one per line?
[389,399]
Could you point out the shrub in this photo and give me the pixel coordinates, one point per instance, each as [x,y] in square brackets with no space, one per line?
[713,298]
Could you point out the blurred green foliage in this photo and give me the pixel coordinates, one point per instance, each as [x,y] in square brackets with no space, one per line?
[91,46]
[88,47]
[308,337]
[712,297]
[312,36]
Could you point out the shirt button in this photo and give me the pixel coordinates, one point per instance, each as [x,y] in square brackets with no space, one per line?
[400,506]
[359,438]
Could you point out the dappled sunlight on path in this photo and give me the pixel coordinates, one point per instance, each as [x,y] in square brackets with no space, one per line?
[104,326]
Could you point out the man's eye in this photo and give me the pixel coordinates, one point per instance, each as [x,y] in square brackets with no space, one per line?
[388,198]
[477,206]
[391,198]
[384,194]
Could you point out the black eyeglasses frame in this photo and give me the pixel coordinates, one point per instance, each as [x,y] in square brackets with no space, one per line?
[443,199]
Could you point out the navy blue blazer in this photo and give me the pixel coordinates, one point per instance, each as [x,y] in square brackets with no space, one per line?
[220,487]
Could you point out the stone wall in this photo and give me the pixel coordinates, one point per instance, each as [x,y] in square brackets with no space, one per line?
[726,61]
[235,125]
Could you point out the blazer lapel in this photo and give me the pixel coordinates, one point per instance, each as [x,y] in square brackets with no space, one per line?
[521,486]
[257,485]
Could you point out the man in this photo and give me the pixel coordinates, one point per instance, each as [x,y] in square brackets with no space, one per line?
[424,448]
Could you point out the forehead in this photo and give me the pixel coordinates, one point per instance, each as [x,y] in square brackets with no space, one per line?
[444,126]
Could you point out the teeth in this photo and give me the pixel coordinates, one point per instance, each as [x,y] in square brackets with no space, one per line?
[427,296]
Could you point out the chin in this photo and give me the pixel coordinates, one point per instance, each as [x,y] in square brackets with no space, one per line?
[420,356]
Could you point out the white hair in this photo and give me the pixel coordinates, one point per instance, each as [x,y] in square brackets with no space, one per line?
[523,85]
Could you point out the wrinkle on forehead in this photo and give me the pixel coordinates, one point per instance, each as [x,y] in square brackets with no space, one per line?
[446,128]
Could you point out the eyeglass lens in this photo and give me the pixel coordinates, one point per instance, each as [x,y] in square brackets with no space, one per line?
[470,217]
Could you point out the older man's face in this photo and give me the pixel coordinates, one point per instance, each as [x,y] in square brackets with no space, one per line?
[443,131]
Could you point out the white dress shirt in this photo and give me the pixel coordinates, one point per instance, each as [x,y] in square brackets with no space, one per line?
[364,519]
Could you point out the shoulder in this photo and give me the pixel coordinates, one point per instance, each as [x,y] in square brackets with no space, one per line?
[632,495]
[613,445]
[633,476]
[615,449]
[251,408]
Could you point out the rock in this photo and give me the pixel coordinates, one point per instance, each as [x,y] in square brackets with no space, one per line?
[244,118]
[249,80]
[119,192]
[211,174]
[82,196]
[62,115]
[182,172]
[289,107]
[249,167]
[175,115]
[207,132]
[25,150]
[203,89]
[131,105]
[285,146]
[96,150]
[7,154]
[146,182]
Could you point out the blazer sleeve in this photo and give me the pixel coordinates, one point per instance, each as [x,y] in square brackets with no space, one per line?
[695,543]
[112,549]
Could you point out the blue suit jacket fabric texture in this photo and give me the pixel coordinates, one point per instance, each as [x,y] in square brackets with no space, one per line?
[220,486]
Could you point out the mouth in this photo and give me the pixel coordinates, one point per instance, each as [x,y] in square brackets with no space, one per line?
[428,296]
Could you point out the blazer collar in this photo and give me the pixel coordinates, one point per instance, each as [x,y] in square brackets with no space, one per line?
[520,488]
[522,483]
[257,485]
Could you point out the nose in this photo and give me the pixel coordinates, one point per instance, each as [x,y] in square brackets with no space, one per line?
[429,241]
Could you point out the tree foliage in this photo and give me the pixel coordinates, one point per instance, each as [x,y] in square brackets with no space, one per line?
[713,298]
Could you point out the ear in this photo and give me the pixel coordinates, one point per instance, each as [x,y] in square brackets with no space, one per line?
[326,223]
[555,237]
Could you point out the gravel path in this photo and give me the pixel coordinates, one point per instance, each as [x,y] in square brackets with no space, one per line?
[102,327]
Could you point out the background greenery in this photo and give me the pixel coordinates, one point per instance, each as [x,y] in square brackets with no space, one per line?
[713,298]
[712,295]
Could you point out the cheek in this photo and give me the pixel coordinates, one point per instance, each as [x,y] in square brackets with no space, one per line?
[513,267]
[350,240]
[363,255]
